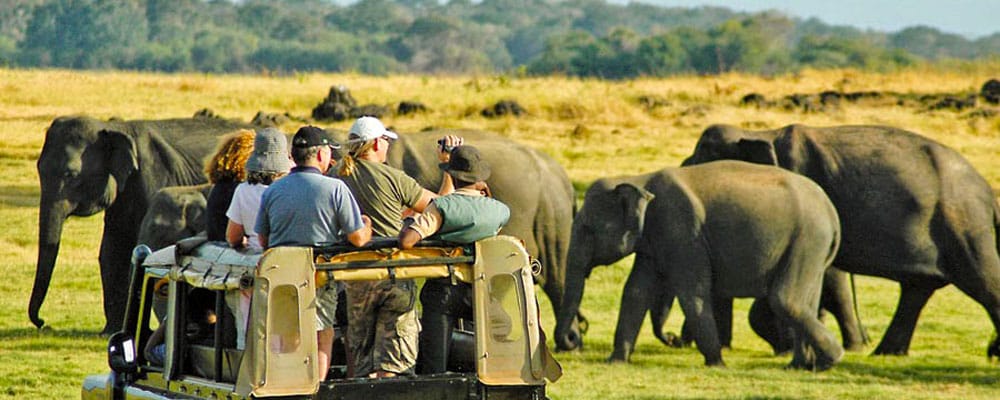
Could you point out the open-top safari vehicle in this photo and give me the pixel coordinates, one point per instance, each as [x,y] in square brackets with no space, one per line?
[504,357]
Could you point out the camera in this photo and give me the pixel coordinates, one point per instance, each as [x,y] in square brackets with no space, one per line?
[444,147]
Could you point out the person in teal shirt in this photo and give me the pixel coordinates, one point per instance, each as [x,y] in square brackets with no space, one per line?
[464,216]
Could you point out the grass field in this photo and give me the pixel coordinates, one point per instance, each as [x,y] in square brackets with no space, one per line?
[593,128]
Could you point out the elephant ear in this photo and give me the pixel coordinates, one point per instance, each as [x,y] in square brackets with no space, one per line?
[633,200]
[121,156]
[757,151]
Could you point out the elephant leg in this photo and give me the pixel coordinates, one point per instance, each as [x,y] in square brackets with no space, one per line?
[814,346]
[658,314]
[839,301]
[637,298]
[687,331]
[722,310]
[763,321]
[976,275]
[698,313]
[114,263]
[988,295]
[912,299]
[723,313]
[794,296]
[691,277]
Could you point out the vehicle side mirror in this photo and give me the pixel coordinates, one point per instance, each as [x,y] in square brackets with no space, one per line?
[121,353]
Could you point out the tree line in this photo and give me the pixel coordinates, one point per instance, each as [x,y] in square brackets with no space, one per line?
[570,37]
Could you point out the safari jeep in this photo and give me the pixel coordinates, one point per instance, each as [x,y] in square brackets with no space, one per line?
[505,351]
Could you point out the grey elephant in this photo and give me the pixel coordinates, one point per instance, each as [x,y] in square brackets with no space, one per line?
[721,230]
[174,213]
[87,166]
[912,210]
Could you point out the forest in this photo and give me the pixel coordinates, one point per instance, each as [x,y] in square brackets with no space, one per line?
[585,38]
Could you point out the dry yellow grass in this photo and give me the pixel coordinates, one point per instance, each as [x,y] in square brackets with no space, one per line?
[593,128]
[612,127]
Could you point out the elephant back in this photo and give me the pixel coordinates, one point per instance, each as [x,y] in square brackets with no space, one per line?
[761,203]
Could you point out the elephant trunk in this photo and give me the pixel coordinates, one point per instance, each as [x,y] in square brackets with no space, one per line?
[567,334]
[52,215]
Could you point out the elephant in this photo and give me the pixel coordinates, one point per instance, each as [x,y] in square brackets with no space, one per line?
[720,230]
[87,166]
[175,212]
[912,210]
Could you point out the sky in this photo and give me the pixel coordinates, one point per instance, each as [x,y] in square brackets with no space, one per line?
[969,18]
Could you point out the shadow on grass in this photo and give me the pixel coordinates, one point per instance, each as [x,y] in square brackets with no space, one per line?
[46,332]
[982,376]
[660,397]
[50,341]
[854,372]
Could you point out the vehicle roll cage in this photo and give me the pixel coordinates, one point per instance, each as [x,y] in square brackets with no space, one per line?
[510,347]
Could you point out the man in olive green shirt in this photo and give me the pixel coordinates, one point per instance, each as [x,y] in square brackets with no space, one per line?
[382,324]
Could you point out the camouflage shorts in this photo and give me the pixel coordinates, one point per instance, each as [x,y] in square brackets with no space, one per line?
[382,327]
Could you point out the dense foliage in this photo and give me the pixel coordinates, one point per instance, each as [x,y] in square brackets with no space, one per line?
[572,37]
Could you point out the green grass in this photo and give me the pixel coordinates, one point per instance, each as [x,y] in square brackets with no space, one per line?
[947,356]
[593,128]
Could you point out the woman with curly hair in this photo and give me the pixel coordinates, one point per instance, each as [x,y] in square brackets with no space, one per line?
[225,170]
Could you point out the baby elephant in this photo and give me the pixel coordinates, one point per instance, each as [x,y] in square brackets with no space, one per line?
[718,230]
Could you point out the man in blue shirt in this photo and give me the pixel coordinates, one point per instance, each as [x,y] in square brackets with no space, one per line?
[307,208]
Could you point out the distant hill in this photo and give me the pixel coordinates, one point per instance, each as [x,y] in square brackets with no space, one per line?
[573,37]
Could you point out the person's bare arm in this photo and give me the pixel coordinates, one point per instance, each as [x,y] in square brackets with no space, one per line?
[424,225]
[448,142]
[447,185]
[408,238]
[236,235]
[262,238]
[156,338]
[361,236]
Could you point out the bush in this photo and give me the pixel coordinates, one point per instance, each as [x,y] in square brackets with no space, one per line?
[8,52]
[163,57]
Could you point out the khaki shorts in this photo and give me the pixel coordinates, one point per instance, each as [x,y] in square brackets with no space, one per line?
[326,306]
[383,328]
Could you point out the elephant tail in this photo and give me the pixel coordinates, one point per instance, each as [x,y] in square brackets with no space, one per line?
[857,311]
[835,248]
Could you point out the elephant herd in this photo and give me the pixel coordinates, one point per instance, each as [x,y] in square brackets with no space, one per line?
[780,216]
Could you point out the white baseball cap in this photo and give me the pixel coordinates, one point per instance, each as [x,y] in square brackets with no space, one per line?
[368,128]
